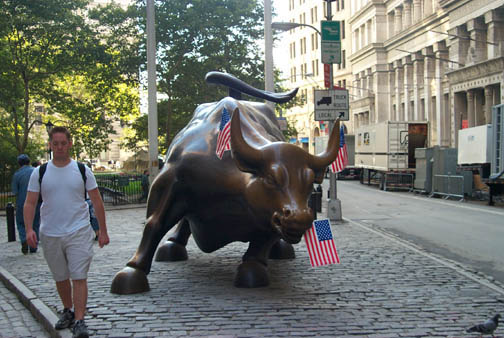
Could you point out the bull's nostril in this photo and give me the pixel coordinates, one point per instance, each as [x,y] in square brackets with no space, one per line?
[286,212]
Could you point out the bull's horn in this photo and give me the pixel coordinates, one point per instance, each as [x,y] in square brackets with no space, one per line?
[247,158]
[322,160]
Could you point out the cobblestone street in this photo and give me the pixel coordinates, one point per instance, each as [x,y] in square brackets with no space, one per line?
[382,288]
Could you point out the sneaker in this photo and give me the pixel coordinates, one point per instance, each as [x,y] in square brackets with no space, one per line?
[66,320]
[80,329]
[33,250]
[24,248]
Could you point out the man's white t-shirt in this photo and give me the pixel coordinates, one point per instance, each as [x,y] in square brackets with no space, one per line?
[64,209]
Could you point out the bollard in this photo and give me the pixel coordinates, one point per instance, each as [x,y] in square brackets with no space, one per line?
[11,229]
[318,191]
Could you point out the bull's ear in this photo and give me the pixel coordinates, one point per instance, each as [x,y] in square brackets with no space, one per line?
[246,157]
[319,175]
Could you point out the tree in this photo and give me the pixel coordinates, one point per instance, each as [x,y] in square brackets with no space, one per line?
[195,37]
[73,60]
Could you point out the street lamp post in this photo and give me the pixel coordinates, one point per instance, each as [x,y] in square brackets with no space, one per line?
[151,92]
[269,82]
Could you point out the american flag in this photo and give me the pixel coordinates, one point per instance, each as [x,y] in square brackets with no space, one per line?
[320,244]
[342,159]
[224,137]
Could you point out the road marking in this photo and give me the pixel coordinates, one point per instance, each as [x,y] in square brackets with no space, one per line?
[441,261]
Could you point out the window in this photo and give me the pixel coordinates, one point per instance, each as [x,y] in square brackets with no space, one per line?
[313,41]
[293,50]
[312,17]
[339,83]
[343,29]
[344,83]
[293,74]
[316,67]
[342,4]
[337,5]
[315,12]
[343,58]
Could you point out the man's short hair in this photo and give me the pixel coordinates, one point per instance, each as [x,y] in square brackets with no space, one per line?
[59,129]
[23,159]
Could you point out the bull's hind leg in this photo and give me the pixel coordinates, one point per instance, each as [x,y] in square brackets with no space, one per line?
[174,249]
[253,271]
[163,212]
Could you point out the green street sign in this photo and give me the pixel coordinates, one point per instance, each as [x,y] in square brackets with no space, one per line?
[330,31]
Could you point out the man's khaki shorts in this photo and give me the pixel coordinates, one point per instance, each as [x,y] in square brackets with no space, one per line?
[69,256]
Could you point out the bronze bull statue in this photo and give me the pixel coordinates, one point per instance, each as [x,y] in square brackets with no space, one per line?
[257,193]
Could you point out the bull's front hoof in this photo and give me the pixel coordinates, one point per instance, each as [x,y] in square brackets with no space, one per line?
[251,274]
[282,250]
[171,252]
[129,280]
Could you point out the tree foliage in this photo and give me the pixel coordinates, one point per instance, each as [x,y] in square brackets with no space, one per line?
[76,61]
[193,38]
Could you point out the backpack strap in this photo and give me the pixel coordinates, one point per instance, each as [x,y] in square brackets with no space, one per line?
[43,168]
[82,169]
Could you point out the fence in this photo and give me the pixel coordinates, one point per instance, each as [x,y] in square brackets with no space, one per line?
[448,186]
[6,194]
[398,180]
[114,188]
[119,189]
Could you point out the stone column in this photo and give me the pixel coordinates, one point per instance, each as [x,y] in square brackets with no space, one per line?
[417,10]
[391,90]
[470,109]
[408,85]
[369,75]
[381,94]
[390,25]
[442,116]
[399,87]
[428,9]
[479,110]
[406,14]
[418,82]
[478,48]
[458,45]
[488,104]
[459,109]
[398,20]
[363,83]
[356,121]
[428,78]
[495,32]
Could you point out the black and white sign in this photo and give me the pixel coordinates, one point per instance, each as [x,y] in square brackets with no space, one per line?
[331,104]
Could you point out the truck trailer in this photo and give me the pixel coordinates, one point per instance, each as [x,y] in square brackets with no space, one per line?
[386,152]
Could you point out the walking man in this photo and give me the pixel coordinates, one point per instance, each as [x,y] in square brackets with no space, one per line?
[65,233]
[19,186]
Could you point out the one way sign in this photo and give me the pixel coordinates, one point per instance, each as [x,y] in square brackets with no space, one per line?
[331,104]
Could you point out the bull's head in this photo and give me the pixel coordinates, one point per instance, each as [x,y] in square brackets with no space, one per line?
[283,177]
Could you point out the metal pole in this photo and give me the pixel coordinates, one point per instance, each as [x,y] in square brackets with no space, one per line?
[152,90]
[333,204]
[269,84]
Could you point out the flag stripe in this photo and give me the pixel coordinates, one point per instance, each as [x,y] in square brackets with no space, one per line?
[335,252]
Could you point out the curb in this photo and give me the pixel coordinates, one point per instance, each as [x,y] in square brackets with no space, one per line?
[38,309]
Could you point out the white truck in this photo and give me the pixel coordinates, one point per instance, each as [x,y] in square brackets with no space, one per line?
[386,152]
[351,172]
[481,151]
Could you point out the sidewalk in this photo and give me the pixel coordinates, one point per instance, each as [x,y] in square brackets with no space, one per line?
[382,288]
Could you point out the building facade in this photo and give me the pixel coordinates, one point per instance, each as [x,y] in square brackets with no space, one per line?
[440,61]
[305,69]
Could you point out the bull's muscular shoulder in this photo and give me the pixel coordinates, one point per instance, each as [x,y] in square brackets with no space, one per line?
[199,137]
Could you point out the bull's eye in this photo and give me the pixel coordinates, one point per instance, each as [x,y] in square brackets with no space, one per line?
[270,181]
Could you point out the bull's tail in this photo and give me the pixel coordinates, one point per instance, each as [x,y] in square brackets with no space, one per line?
[236,87]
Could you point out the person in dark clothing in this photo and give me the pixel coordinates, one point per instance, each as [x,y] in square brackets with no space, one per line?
[145,186]
[19,187]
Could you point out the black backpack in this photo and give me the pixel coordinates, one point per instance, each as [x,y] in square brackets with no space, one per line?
[42,170]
